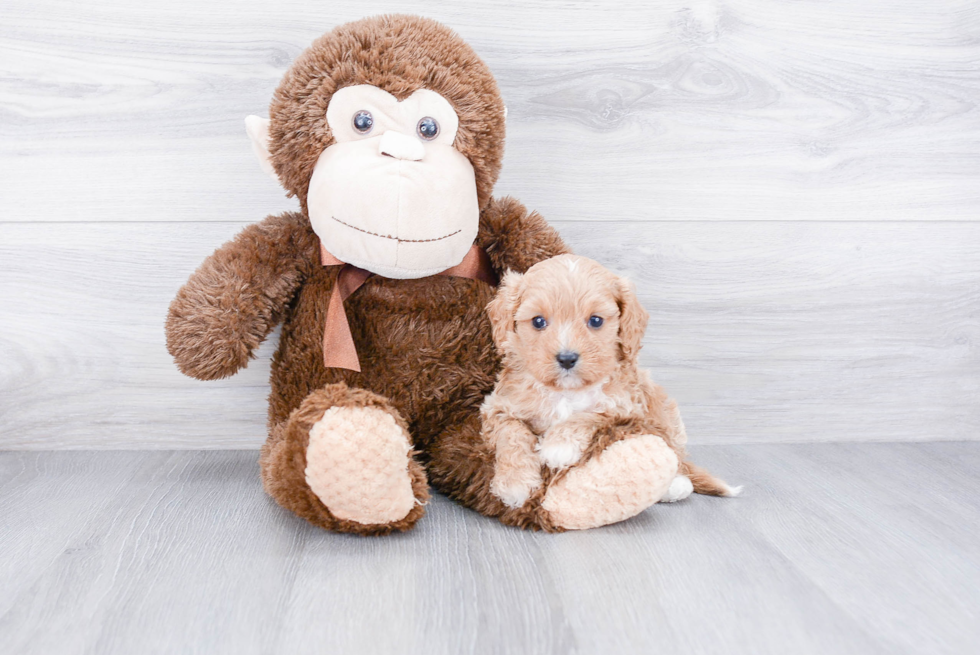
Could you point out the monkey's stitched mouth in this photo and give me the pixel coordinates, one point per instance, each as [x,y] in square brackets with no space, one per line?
[388,236]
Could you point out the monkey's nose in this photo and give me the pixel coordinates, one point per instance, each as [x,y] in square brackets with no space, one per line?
[566,359]
[397,145]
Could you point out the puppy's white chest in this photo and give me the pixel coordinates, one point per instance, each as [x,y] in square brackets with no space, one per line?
[559,406]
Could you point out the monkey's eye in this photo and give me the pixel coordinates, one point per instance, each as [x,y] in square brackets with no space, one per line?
[428,128]
[595,321]
[539,323]
[363,121]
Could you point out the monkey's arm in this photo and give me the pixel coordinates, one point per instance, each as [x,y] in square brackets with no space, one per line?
[231,303]
[515,238]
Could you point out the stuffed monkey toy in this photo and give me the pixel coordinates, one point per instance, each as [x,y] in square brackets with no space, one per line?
[390,132]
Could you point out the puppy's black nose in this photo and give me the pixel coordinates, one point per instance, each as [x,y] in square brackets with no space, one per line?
[566,359]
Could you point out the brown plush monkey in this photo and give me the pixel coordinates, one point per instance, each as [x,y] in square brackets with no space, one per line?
[390,131]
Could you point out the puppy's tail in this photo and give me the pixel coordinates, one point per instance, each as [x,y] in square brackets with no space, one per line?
[705,483]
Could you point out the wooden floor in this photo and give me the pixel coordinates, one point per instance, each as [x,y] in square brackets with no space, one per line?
[834,548]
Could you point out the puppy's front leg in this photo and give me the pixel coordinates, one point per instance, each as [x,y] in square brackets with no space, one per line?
[563,444]
[517,472]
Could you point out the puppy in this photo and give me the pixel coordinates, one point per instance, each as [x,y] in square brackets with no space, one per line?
[570,332]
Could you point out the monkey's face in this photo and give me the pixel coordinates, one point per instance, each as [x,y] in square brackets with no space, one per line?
[390,132]
[392,195]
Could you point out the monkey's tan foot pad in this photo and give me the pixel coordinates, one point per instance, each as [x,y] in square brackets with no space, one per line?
[620,482]
[357,465]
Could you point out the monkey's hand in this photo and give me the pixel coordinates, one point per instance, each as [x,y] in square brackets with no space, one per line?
[232,302]
[515,238]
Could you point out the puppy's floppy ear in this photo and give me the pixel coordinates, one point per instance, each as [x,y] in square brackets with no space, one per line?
[632,320]
[503,307]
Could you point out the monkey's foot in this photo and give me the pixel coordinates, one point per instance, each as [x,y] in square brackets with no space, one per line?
[343,461]
[357,464]
[618,483]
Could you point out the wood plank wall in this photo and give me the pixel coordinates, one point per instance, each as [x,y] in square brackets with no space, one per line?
[794,187]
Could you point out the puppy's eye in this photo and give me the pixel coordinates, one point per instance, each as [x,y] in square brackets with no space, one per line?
[539,323]
[363,121]
[428,128]
[595,321]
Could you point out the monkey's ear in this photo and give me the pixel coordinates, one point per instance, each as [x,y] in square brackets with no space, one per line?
[632,320]
[503,307]
[258,133]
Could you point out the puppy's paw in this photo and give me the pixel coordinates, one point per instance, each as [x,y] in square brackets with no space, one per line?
[559,455]
[513,489]
[679,489]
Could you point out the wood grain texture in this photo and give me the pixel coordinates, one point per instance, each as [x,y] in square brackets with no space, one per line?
[835,548]
[123,163]
[674,110]
[765,332]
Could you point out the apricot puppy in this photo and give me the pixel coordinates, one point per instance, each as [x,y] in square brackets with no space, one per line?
[569,332]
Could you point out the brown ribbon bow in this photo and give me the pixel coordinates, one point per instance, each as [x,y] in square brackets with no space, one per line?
[338,343]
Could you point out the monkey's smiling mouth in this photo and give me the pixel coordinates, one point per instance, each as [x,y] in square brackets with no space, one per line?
[388,236]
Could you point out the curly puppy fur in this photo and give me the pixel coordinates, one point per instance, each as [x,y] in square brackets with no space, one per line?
[425,346]
[570,333]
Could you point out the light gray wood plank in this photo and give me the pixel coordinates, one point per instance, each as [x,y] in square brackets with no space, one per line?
[182,552]
[123,563]
[43,505]
[765,332]
[704,573]
[807,332]
[886,532]
[675,110]
[84,353]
